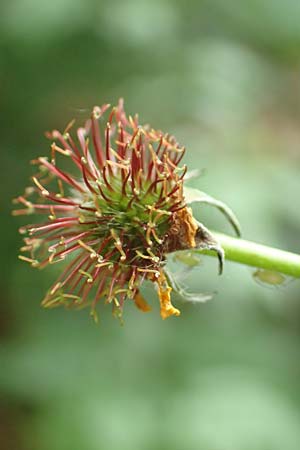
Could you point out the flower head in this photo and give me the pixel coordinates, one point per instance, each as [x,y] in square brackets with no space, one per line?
[112,200]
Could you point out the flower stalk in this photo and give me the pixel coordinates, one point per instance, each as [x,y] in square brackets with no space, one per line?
[257,255]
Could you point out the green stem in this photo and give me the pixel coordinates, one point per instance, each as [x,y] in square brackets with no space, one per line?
[256,255]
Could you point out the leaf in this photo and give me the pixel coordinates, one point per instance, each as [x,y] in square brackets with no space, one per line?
[193,195]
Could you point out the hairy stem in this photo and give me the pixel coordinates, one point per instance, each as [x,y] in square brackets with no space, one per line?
[257,255]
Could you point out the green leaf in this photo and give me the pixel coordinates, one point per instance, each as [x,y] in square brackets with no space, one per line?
[193,195]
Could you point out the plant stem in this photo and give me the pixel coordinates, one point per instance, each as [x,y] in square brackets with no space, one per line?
[256,255]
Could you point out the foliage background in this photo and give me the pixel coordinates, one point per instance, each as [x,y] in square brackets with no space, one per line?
[224,78]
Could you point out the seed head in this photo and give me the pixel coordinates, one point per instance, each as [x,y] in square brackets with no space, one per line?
[111,196]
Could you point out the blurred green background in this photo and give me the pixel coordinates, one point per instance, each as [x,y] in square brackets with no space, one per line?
[224,77]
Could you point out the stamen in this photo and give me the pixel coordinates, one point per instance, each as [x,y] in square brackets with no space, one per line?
[119,157]
[44,191]
[155,272]
[158,240]
[55,288]
[33,262]
[61,188]
[118,165]
[92,252]
[86,274]
[55,148]
[52,216]
[96,114]
[118,244]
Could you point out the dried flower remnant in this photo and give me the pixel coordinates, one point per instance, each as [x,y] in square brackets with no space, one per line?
[114,206]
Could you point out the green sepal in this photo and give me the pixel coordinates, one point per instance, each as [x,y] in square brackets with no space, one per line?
[182,293]
[193,195]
